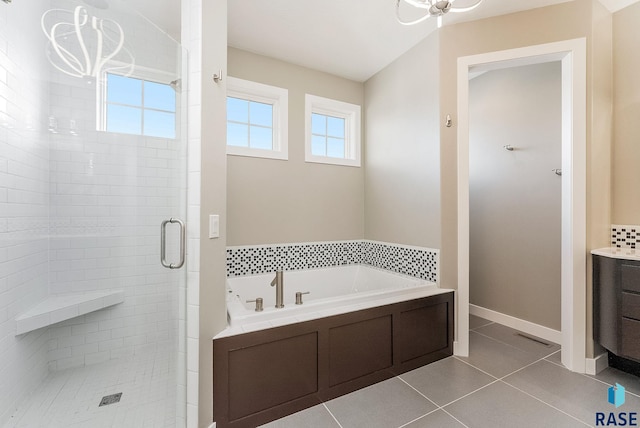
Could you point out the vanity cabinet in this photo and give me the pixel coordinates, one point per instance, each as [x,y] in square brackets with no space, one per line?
[616,305]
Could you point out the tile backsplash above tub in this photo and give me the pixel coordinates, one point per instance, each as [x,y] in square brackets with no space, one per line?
[625,236]
[418,262]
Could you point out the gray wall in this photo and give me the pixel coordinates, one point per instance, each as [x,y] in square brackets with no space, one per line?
[569,20]
[402,173]
[276,201]
[514,196]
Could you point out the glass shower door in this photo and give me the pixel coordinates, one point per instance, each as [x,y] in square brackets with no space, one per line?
[99,133]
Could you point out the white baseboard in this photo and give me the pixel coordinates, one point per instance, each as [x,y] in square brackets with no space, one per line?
[457,351]
[597,364]
[537,330]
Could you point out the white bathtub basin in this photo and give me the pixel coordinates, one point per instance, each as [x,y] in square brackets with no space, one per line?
[332,290]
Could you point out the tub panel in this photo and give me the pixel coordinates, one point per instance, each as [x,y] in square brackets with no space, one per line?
[359,349]
[264,375]
[272,373]
[415,339]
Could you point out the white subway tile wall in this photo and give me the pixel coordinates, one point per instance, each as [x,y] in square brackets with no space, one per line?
[108,195]
[105,223]
[24,212]
[188,386]
[80,210]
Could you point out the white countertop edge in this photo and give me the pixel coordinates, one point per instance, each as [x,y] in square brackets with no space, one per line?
[618,253]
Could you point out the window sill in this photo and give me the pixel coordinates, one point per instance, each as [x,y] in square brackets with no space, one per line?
[333,161]
[257,153]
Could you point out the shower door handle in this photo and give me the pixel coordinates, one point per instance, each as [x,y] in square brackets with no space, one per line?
[163,243]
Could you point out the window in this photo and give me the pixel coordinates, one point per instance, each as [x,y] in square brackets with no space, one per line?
[327,136]
[256,119]
[332,131]
[137,106]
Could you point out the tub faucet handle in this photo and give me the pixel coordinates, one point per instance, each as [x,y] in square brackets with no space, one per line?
[299,297]
[259,304]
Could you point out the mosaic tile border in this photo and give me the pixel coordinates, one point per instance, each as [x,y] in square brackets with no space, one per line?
[625,236]
[418,262]
[252,260]
[413,261]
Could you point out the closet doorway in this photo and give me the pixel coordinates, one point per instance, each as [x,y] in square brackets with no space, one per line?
[515,134]
[572,56]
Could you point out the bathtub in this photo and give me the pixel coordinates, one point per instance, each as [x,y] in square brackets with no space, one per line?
[332,291]
[359,325]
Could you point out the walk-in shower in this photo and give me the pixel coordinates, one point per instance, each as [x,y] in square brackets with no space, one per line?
[92,163]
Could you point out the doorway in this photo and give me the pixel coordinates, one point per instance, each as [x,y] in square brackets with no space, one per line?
[514,198]
[572,56]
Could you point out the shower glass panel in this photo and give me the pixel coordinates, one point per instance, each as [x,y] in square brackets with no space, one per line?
[92,162]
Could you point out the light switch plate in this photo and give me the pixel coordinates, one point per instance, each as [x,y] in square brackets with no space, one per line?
[214,226]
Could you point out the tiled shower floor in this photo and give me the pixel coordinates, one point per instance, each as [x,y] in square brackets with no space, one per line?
[70,398]
[507,381]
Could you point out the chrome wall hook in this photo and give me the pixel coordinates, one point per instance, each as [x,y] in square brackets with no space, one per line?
[557,171]
[508,147]
[218,77]
[448,121]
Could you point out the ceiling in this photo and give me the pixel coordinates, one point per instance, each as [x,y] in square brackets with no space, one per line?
[164,13]
[350,38]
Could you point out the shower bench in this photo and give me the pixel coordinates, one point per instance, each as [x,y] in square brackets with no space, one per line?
[61,307]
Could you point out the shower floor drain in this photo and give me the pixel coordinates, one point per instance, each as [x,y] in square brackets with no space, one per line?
[110,399]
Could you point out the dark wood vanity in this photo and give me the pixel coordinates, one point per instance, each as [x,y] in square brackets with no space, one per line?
[616,306]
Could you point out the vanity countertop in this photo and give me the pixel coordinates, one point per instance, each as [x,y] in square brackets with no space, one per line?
[618,253]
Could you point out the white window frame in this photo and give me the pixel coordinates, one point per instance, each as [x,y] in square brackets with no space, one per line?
[278,98]
[141,73]
[351,114]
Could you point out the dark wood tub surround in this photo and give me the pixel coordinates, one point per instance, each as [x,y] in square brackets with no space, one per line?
[265,375]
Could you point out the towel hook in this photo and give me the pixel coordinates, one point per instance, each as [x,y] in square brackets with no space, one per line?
[558,171]
[508,147]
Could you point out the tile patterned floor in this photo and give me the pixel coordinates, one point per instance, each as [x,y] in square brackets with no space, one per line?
[70,398]
[507,381]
